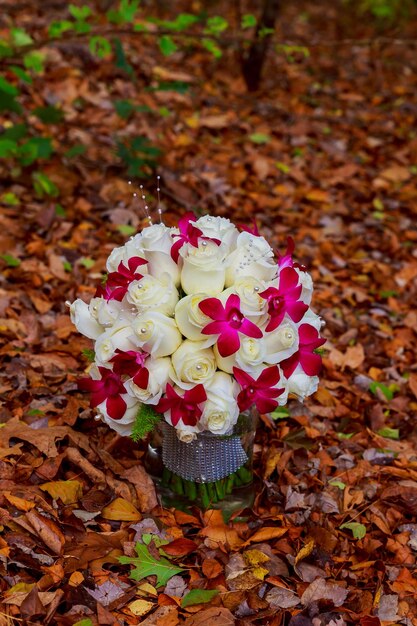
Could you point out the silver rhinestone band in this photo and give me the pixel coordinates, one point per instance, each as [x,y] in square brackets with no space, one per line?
[204,460]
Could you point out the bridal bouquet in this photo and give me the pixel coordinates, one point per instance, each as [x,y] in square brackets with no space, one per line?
[198,323]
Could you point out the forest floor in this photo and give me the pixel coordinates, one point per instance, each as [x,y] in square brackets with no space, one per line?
[326,152]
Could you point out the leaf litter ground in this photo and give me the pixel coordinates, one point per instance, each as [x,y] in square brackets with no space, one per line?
[326,152]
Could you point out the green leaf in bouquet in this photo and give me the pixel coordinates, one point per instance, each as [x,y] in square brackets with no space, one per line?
[145,421]
[90,355]
[147,565]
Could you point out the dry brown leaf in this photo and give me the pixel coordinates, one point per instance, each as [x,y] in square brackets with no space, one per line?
[144,485]
[19,503]
[68,491]
[42,438]
[217,533]
[282,598]
[121,510]
[266,534]
[47,530]
[353,357]
[320,589]
[412,381]
[215,615]
[396,174]
[305,551]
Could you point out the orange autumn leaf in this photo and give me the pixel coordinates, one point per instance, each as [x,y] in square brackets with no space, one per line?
[266,534]
[121,510]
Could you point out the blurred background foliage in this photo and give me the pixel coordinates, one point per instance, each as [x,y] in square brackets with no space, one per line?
[241,34]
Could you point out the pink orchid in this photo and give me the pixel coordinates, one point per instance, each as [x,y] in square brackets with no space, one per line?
[286,260]
[228,323]
[184,407]
[131,363]
[118,282]
[188,234]
[253,230]
[285,299]
[309,340]
[260,391]
[109,388]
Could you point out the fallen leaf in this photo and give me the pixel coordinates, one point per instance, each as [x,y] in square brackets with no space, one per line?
[19,503]
[211,568]
[68,491]
[47,530]
[217,533]
[180,547]
[144,485]
[198,596]
[282,598]
[121,510]
[320,589]
[412,381]
[353,357]
[146,564]
[108,592]
[266,534]
[216,615]
[305,551]
[396,174]
[140,607]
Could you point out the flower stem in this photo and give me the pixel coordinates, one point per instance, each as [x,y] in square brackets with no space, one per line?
[206,493]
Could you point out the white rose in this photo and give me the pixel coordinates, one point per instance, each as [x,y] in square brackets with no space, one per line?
[116,337]
[83,320]
[302,385]
[203,268]
[156,333]
[106,313]
[132,248]
[220,411]
[307,286]
[249,357]
[218,228]
[252,305]
[187,434]
[190,318]
[150,293]
[156,244]
[159,375]
[116,256]
[193,364]
[282,342]
[253,257]
[123,426]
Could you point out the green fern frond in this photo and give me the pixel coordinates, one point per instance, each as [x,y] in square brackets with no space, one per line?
[145,422]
